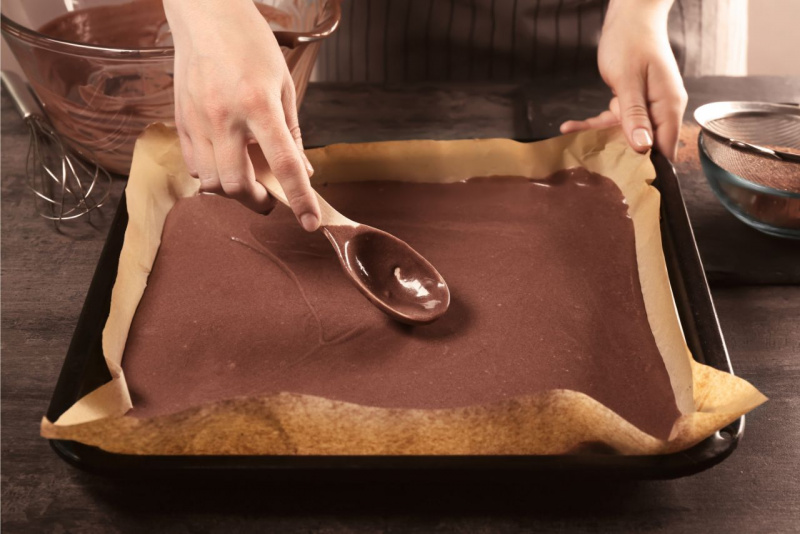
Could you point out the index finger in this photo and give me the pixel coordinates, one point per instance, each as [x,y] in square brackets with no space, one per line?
[605,119]
[285,162]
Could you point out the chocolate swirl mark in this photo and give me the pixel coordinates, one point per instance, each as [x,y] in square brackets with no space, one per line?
[321,339]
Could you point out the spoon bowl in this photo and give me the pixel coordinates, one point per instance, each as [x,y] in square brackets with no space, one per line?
[391,274]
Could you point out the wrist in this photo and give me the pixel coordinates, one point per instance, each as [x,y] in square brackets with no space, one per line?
[188,17]
[648,13]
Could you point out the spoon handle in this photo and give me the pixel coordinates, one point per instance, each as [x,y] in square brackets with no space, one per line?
[330,217]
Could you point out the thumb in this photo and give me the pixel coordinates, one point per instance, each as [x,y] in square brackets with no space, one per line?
[634,115]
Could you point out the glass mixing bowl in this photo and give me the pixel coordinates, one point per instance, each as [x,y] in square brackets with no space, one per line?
[769,210]
[103,97]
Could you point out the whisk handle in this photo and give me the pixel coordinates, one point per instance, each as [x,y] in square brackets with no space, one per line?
[24,100]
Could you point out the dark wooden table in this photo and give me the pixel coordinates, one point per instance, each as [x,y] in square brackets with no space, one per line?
[755,281]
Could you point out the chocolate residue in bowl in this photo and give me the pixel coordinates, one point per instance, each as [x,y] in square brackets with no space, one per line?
[545,288]
[130,25]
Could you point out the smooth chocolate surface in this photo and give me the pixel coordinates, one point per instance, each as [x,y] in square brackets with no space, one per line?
[544,284]
[392,275]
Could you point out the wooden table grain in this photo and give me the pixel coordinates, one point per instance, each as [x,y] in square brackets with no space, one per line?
[756,287]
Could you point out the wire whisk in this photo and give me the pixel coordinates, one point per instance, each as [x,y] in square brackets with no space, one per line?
[65,180]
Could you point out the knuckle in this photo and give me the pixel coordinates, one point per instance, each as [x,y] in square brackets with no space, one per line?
[186,116]
[209,184]
[203,95]
[295,132]
[288,91]
[251,97]
[286,163]
[300,197]
[683,96]
[218,115]
[636,116]
[188,155]
[185,141]
[636,111]
[289,96]
[180,123]
[254,98]
[233,187]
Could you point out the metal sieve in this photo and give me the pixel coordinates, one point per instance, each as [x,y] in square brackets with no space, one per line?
[760,128]
[753,166]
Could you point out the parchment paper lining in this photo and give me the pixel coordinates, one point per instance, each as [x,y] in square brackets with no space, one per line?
[551,422]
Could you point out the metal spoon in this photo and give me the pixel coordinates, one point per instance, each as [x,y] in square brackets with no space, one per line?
[391,274]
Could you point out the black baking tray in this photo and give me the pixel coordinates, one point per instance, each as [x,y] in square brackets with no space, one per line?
[84,369]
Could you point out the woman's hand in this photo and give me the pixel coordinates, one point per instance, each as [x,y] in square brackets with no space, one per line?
[637,63]
[233,88]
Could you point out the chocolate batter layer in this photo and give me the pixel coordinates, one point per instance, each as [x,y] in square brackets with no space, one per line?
[545,294]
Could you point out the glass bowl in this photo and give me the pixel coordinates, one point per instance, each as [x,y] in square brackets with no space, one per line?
[772,211]
[103,97]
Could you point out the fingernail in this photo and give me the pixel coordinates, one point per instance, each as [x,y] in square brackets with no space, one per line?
[309,222]
[641,138]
